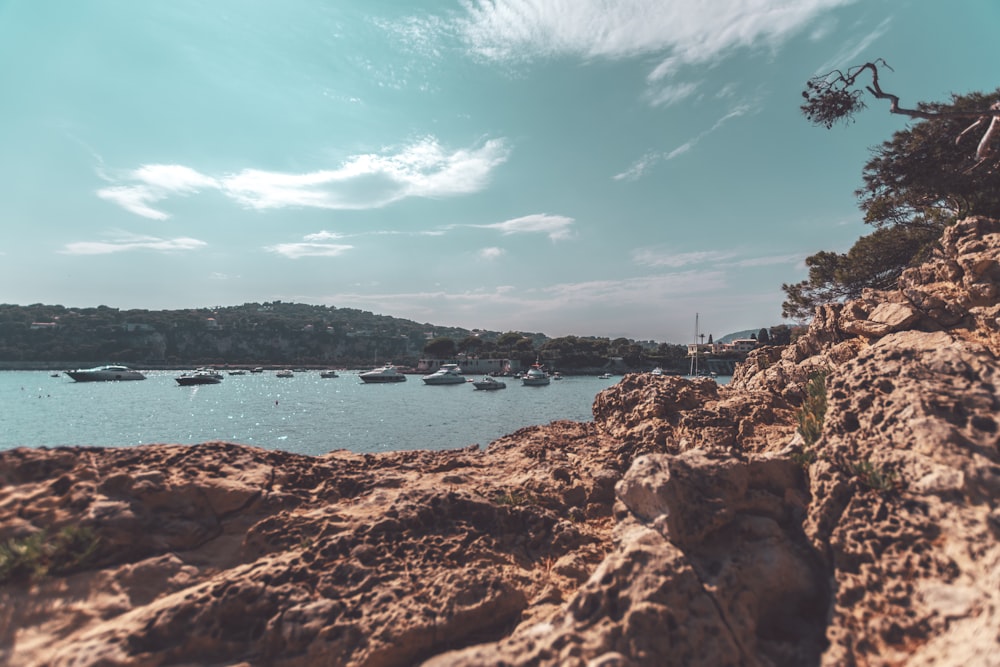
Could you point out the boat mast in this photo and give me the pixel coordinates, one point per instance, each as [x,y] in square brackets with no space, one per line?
[694,360]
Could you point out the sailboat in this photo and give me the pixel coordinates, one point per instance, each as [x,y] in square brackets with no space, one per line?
[695,371]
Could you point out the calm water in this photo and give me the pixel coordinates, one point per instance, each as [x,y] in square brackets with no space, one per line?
[305,414]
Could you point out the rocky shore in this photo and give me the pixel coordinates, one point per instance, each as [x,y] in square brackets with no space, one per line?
[687,524]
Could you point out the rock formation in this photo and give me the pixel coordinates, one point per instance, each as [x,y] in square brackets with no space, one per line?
[687,524]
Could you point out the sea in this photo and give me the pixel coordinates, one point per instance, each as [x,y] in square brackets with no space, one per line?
[305,414]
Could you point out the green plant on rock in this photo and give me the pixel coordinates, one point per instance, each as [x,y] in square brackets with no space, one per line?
[813,410]
[72,548]
[876,477]
[21,558]
[804,458]
[512,498]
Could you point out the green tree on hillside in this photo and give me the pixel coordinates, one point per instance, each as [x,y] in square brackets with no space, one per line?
[508,340]
[440,348]
[917,183]
[781,334]
[471,345]
[875,260]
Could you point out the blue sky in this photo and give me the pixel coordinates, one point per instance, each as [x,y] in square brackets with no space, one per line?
[577,167]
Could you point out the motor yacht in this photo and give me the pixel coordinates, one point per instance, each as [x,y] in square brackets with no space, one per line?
[535,376]
[489,383]
[109,373]
[387,373]
[200,376]
[447,374]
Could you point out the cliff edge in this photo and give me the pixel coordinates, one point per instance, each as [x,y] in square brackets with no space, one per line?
[687,524]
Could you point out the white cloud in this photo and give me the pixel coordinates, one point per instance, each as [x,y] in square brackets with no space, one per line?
[667,68]
[642,289]
[638,168]
[516,307]
[727,90]
[418,33]
[684,32]
[173,178]
[736,112]
[155,183]
[718,259]
[683,148]
[135,198]
[421,169]
[649,160]
[661,306]
[671,94]
[850,51]
[323,236]
[660,257]
[490,254]
[131,242]
[309,249]
[771,260]
[557,227]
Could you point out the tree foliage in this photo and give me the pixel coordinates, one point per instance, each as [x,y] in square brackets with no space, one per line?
[780,334]
[923,176]
[471,345]
[440,348]
[836,96]
[874,261]
[916,184]
[575,351]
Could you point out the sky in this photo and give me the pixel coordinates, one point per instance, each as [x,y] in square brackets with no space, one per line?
[570,167]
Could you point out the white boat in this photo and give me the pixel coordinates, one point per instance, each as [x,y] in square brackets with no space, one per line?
[238,371]
[284,374]
[557,376]
[328,374]
[108,373]
[605,376]
[489,383]
[200,376]
[387,373]
[447,374]
[535,376]
[656,371]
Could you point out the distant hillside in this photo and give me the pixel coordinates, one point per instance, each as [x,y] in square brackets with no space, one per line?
[265,333]
[292,334]
[729,338]
[780,334]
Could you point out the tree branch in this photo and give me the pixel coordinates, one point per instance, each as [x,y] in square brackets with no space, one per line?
[832,97]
